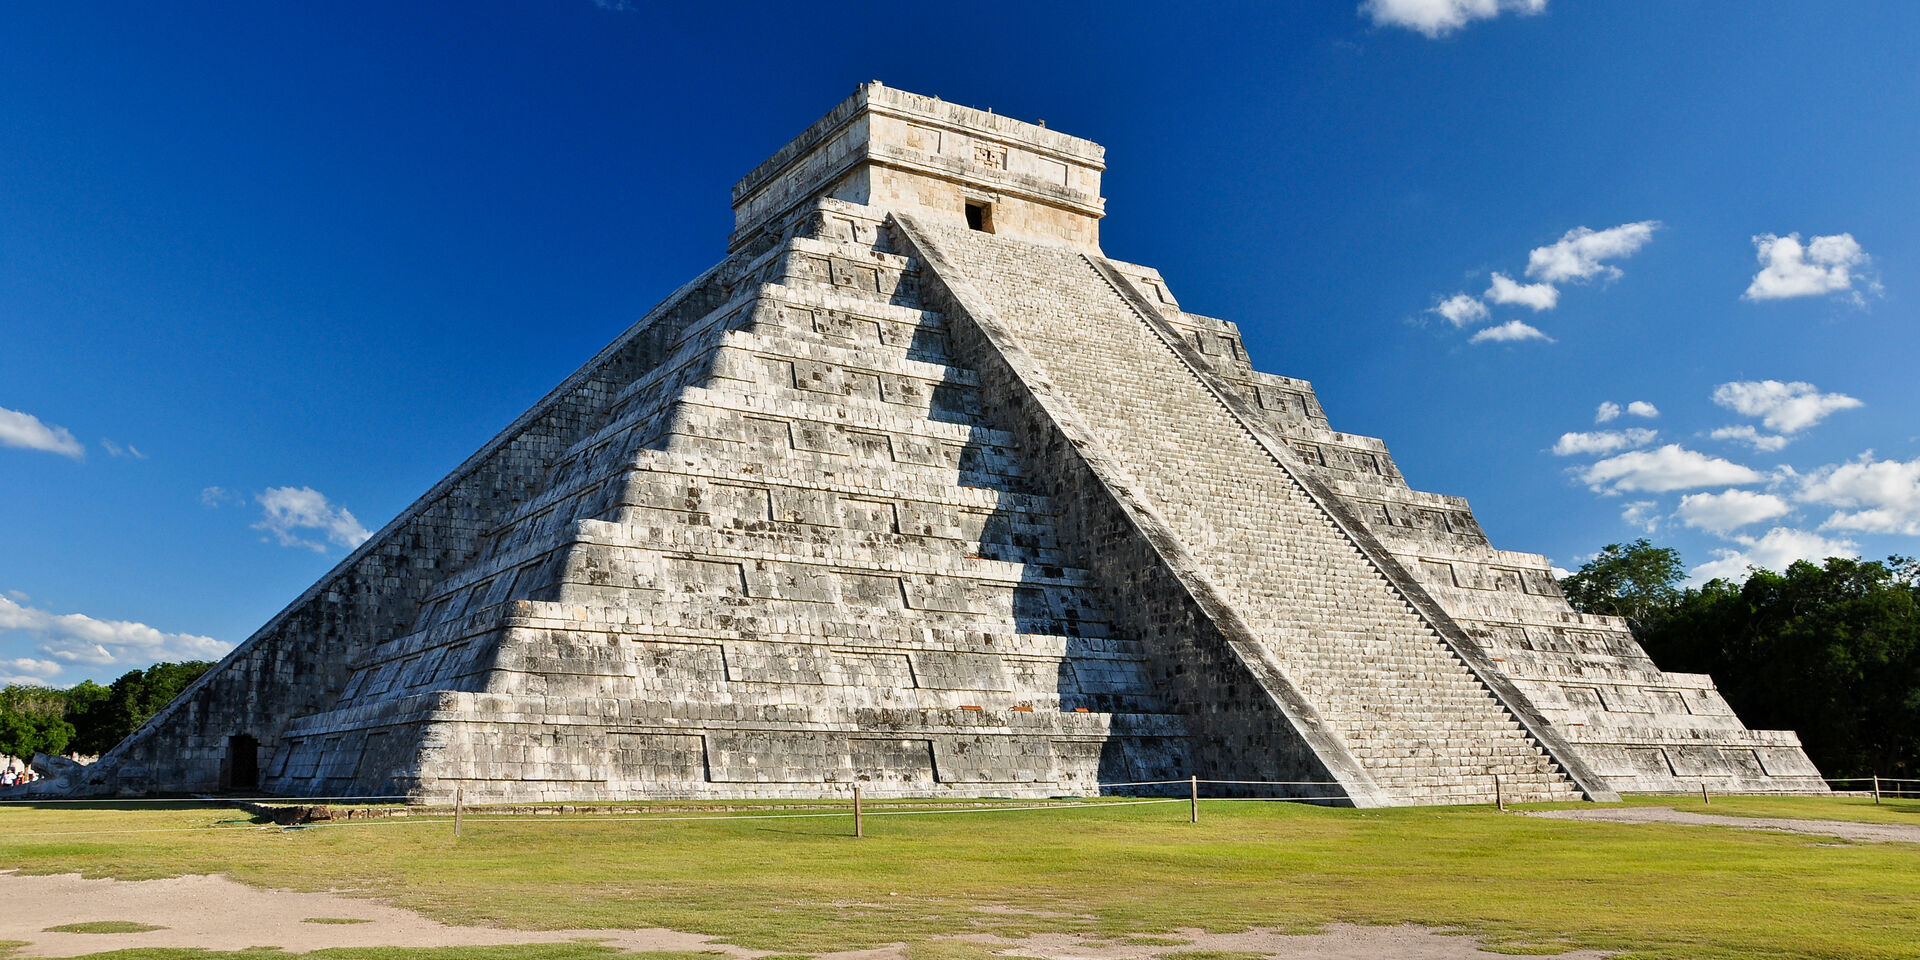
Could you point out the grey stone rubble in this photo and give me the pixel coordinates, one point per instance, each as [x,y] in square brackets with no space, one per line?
[918,490]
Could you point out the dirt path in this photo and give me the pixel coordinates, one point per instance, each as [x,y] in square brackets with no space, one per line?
[215,913]
[1870,832]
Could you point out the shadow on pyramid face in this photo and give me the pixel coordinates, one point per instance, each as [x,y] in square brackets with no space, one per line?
[1098,672]
[929,345]
[954,403]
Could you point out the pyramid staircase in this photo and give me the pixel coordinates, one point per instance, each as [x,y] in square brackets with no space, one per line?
[1422,726]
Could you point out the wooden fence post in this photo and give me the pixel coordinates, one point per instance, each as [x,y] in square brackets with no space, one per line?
[859,828]
[459,807]
[1193,784]
[1499,799]
[1703,793]
[1876,789]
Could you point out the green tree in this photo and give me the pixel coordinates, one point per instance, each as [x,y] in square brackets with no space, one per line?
[32,721]
[85,712]
[1831,651]
[33,700]
[1638,581]
[103,716]
[87,717]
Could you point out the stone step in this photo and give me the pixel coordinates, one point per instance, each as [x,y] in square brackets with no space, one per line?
[1379,673]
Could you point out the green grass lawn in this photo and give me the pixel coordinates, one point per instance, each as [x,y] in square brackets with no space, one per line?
[806,886]
[104,926]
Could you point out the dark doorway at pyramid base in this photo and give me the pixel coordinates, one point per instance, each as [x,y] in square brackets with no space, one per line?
[243,763]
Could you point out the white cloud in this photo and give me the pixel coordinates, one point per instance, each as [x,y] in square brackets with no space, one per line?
[28,672]
[75,638]
[1437,18]
[1510,332]
[1644,514]
[116,450]
[1775,551]
[1538,296]
[25,430]
[1609,410]
[1745,433]
[1671,467]
[1875,496]
[1823,265]
[285,510]
[1727,511]
[1461,310]
[1781,407]
[1577,256]
[1602,441]
[215,496]
[30,666]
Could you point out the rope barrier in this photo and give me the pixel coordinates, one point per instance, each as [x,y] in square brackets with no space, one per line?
[1335,796]
[1278,783]
[1889,786]
[536,819]
[404,798]
[810,816]
[37,801]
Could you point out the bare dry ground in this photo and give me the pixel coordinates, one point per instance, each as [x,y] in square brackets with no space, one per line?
[215,913]
[1845,829]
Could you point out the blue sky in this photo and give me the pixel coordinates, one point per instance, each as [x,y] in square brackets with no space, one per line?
[267,272]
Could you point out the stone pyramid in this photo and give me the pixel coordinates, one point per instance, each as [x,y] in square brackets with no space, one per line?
[919,490]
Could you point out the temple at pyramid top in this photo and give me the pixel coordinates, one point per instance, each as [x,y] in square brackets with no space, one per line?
[917,490]
[944,162]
